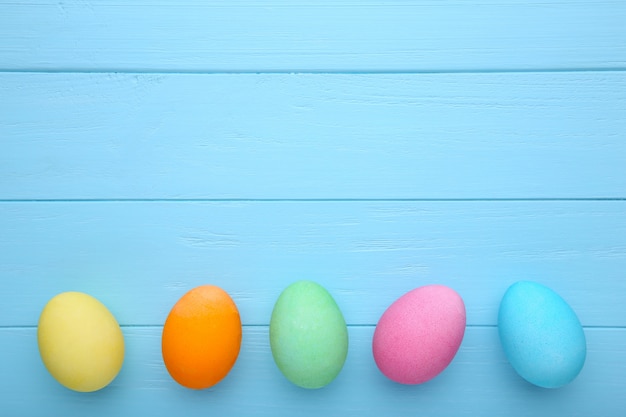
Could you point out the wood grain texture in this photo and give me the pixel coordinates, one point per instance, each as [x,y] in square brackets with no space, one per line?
[129,136]
[139,258]
[147,147]
[274,35]
[479,382]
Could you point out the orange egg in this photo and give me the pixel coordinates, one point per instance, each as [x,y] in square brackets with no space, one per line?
[201,337]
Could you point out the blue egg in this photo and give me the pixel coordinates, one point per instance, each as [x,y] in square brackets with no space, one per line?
[541,335]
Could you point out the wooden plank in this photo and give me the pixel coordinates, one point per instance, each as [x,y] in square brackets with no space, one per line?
[142,136]
[273,35]
[478,382]
[139,258]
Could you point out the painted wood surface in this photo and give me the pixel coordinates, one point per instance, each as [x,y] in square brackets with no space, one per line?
[479,382]
[147,147]
[307,35]
[110,136]
[366,253]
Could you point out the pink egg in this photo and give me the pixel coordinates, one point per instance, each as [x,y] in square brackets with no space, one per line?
[419,334]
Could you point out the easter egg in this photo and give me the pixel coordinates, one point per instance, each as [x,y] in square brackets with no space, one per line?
[308,335]
[541,335]
[201,337]
[419,334]
[80,342]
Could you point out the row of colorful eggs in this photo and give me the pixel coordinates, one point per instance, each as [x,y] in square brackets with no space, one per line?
[416,338]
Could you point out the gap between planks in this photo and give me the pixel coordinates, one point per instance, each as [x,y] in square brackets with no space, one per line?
[253,325]
[442,71]
[303,200]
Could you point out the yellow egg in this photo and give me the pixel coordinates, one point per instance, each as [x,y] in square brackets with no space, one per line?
[80,342]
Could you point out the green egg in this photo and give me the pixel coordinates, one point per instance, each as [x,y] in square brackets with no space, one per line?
[308,335]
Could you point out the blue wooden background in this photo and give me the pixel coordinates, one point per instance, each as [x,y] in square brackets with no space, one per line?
[147,147]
